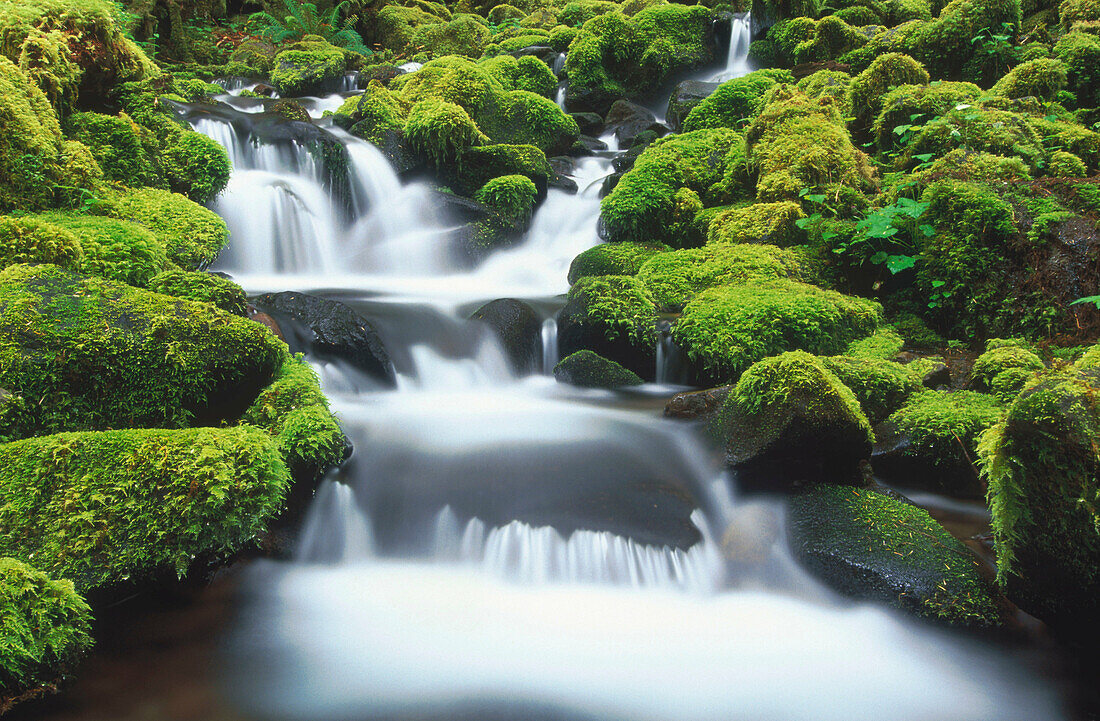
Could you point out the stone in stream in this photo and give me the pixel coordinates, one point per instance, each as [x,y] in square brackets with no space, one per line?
[589,370]
[590,124]
[613,316]
[518,328]
[329,329]
[872,547]
[697,405]
[684,97]
[628,120]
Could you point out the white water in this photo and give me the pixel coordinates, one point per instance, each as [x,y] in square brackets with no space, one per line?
[503,547]
[737,61]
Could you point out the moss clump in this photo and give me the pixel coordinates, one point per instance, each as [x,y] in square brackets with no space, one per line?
[906,103]
[440,130]
[732,104]
[833,84]
[881,386]
[589,370]
[885,72]
[775,223]
[464,35]
[612,259]
[44,628]
[33,240]
[1071,137]
[884,344]
[997,132]
[791,411]
[114,249]
[1066,165]
[479,165]
[1005,368]
[524,73]
[1041,463]
[1080,51]
[827,39]
[95,355]
[871,546]
[644,206]
[30,145]
[725,330]
[1042,78]
[196,166]
[675,278]
[104,508]
[120,146]
[614,316]
[203,287]
[192,235]
[395,24]
[308,68]
[946,43]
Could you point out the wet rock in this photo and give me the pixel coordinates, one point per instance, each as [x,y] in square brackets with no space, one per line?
[545,53]
[265,320]
[586,369]
[288,108]
[563,167]
[329,329]
[696,405]
[872,547]
[518,328]
[684,97]
[614,317]
[590,124]
[937,376]
[628,120]
[587,145]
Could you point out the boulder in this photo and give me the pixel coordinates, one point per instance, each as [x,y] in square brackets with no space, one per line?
[308,68]
[590,124]
[518,328]
[694,405]
[684,97]
[627,120]
[613,316]
[589,370]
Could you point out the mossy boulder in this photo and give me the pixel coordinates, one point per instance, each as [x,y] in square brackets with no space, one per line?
[308,68]
[997,132]
[774,223]
[835,84]
[883,344]
[95,355]
[731,104]
[873,547]
[123,149]
[881,386]
[884,73]
[479,165]
[203,287]
[589,370]
[45,628]
[512,199]
[1005,368]
[107,508]
[195,165]
[113,249]
[192,236]
[440,131]
[614,316]
[906,103]
[1041,464]
[946,44]
[931,442]
[1042,78]
[726,329]
[523,73]
[518,329]
[613,259]
[675,278]
[789,419]
[465,34]
[1080,51]
[34,240]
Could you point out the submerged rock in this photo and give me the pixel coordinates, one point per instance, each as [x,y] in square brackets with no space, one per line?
[589,370]
[518,328]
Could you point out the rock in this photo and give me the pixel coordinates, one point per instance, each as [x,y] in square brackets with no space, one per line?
[613,316]
[590,124]
[288,108]
[684,97]
[938,375]
[329,329]
[518,328]
[309,67]
[695,405]
[1004,368]
[790,420]
[545,53]
[872,547]
[563,167]
[587,145]
[382,73]
[589,370]
[628,120]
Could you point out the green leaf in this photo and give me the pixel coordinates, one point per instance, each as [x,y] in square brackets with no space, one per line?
[1094,299]
[898,263]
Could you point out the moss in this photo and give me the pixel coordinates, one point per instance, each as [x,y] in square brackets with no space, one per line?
[479,165]
[908,103]
[1072,137]
[643,206]
[203,287]
[578,12]
[676,277]
[996,132]
[734,102]
[973,166]
[915,331]
[880,386]
[946,43]
[1066,165]
[192,235]
[30,144]
[522,117]
[33,240]
[502,14]
[195,166]
[858,16]
[96,355]
[464,35]
[774,223]
[113,249]
[830,38]
[45,628]
[1042,78]
[441,131]
[294,411]
[884,344]
[511,197]
[1073,11]
[872,546]
[833,84]
[884,73]
[316,68]
[395,25]
[724,330]
[121,147]
[524,73]
[615,307]
[943,428]
[256,53]
[1080,52]
[561,37]
[1041,465]
[589,370]
[1004,369]
[104,508]
[612,259]
[378,113]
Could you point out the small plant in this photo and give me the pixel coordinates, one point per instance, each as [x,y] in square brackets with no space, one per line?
[995,49]
[303,18]
[1094,299]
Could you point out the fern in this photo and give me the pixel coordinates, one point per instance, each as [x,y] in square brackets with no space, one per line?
[303,18]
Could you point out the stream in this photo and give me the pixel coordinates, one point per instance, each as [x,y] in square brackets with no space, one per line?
[504,546]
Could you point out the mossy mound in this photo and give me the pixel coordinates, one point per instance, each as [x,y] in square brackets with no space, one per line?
[613,259]
[881,386]
[870,546]
[121,147]
[310,67]
[725,330]
[44,629]
[996,132]
[113,249]
[589,370]
[931,442]
[512,198]
[523,73]
[464,35]
[1041,78]
[195,165]
[1004,368]
[614,316]
[1080,51]
[908,103]
[106,508]
[95,355]
[192,235]
[885,72]
[774,223]
[33,240]
[203,287]
[732,104]
[946,44]
[478,165]
[790,419]
[1041,463]
[675,278]
[884,344]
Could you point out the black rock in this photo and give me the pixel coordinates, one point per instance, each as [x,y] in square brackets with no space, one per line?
[628,120]
[589,123]
[518,328]
[684,97]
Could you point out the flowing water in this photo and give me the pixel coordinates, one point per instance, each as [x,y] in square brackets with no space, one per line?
[502,546]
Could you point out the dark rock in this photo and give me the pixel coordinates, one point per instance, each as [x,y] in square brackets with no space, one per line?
[587,145]
[264,89]
[518,328]
[684,97]
[461,208]
[329,329]
[563,167]
[613,317]
[545,53]
[872,547]
[695,405]
[589,123]
[937,376]
[589,370]
[629,119]
[288,108]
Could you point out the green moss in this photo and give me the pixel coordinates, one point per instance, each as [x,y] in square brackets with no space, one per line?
[33,240]
[915,331]
[121,147]
[96,355]
[880,386]
[441,131]
[503,13]
[192,235]
[1080,51]
[943,428]
[1072,137]
[1005,368]
[395,25]
[612,259]
[257,54]
[512,198]
[676,277]
[997,132]
[561,37]
[884,344]
[774,223]
[873,546]
[45,628]
[614,307]
[733,103]
[378,113]
[578,12]
[104,508]
[525,73]
[643,206]
[316,68]
[1042,78]
[590,370]
[858,16]
[1041,464]
[1073,11]
[973,166]
[946,43]
[203,287]
[833,84]
[830,38]
[30,144]
[1066,165]
[195,166]
[114,249]
[294,411]
[884,73]
[724,330]
[908,103]
[522,117]
[464,35]
[479,165]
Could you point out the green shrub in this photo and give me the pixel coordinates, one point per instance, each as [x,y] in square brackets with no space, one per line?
[1042,78]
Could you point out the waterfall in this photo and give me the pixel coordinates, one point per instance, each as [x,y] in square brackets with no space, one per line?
[737,60]
[549,345]
[335,529]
